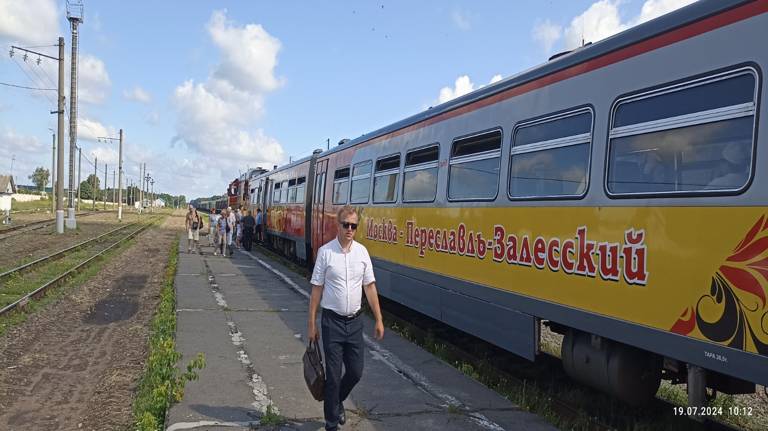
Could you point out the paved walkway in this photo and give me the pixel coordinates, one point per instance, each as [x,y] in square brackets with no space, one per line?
[248,316]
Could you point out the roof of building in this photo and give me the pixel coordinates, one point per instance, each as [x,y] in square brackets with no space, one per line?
[4,181]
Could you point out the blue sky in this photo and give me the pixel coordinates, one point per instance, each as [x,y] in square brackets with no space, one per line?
[205,89]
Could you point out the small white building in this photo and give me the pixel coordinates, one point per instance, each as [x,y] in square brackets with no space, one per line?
[7,189]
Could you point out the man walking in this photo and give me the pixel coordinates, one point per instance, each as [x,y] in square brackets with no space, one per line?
[343,266]
[193,224]
[259,218]
[247,223]
[213,221]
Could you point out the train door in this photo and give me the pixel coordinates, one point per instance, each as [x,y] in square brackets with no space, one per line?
[318,205]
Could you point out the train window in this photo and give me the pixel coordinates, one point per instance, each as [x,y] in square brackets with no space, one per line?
[340,186]
[385,179]
[705,145]
[550,156]
[284,192]
[361,183]
[420,175]
[276,193]
[300,187]
[291,191]
[473,173]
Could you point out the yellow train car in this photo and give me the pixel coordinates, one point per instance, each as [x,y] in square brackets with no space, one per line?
[617,192]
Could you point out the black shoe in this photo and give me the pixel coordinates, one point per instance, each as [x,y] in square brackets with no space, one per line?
[342,415]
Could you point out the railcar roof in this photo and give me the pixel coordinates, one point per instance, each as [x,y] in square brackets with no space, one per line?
[686,15]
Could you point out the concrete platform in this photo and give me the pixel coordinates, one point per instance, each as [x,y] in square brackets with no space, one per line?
[248,315]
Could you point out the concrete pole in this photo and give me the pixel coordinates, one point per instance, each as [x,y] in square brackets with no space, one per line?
[53,175]
[93,188]
[79,171]
[71,222]
[120,180]
[60,152]
[153,194]
[114,176]
[104,195]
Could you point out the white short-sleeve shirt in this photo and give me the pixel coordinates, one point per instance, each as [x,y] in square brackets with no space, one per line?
[342,276]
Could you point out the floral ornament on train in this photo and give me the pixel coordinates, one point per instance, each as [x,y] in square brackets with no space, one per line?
[734,312]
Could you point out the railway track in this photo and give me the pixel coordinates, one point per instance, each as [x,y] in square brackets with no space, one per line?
[37,292]
[26,227]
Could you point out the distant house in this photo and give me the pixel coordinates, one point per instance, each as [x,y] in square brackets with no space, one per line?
[7,189]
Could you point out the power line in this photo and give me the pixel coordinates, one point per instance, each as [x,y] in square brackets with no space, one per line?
[27,88]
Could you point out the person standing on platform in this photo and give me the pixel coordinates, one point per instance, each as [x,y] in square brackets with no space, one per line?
[232,223]
[259,220]
[343,271]
[213,229]
[247,223]
[193,224]
[222,227]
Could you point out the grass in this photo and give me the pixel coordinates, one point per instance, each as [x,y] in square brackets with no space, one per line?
[18,282]
[41,205]
[163,383]
[271,417]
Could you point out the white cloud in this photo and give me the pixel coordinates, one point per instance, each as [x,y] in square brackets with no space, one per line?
[137,94]
[215,117]
[655,8]
[93,80]
[546,34]
[249,54]
[463,85]
[29,21]
[461,20]
[601,20]
[90,130]
[12,142]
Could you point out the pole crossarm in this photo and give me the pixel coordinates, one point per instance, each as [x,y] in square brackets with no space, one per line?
[32,52]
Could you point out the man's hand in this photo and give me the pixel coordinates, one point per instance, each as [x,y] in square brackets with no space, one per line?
[312,334]
[378,330]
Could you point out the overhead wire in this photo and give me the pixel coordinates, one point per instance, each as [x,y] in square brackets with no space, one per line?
[27,88]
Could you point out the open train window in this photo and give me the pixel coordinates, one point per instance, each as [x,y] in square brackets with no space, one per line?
[385,179]
[361,183]
[694,137]
[473,172]
[420,174]
[550,156]
[340,186]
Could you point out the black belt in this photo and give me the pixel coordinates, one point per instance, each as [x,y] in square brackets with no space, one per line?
[341,316]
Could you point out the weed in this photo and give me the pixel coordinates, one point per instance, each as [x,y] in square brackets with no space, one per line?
[271,417]
[163,383]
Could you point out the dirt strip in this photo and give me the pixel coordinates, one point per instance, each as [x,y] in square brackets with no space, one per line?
[76,364]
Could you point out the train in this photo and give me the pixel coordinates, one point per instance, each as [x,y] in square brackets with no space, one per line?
[616,193]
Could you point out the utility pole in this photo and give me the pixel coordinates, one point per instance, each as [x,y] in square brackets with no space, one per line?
[141,186]
[60,158]
[53,173]
[120,179]
[75,17]
[153,194]
[59,193]
[79,171]
[93,189]
[114,174]
[104,195]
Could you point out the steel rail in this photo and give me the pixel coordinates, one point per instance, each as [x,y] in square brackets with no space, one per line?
[41,223]
[21,302]
[61,252]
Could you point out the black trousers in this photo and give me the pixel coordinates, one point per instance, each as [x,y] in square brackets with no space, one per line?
[342,343]
[247,238]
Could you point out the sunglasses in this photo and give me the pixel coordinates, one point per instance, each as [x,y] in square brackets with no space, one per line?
[346,225]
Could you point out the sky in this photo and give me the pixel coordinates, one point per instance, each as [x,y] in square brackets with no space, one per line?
[204,90]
